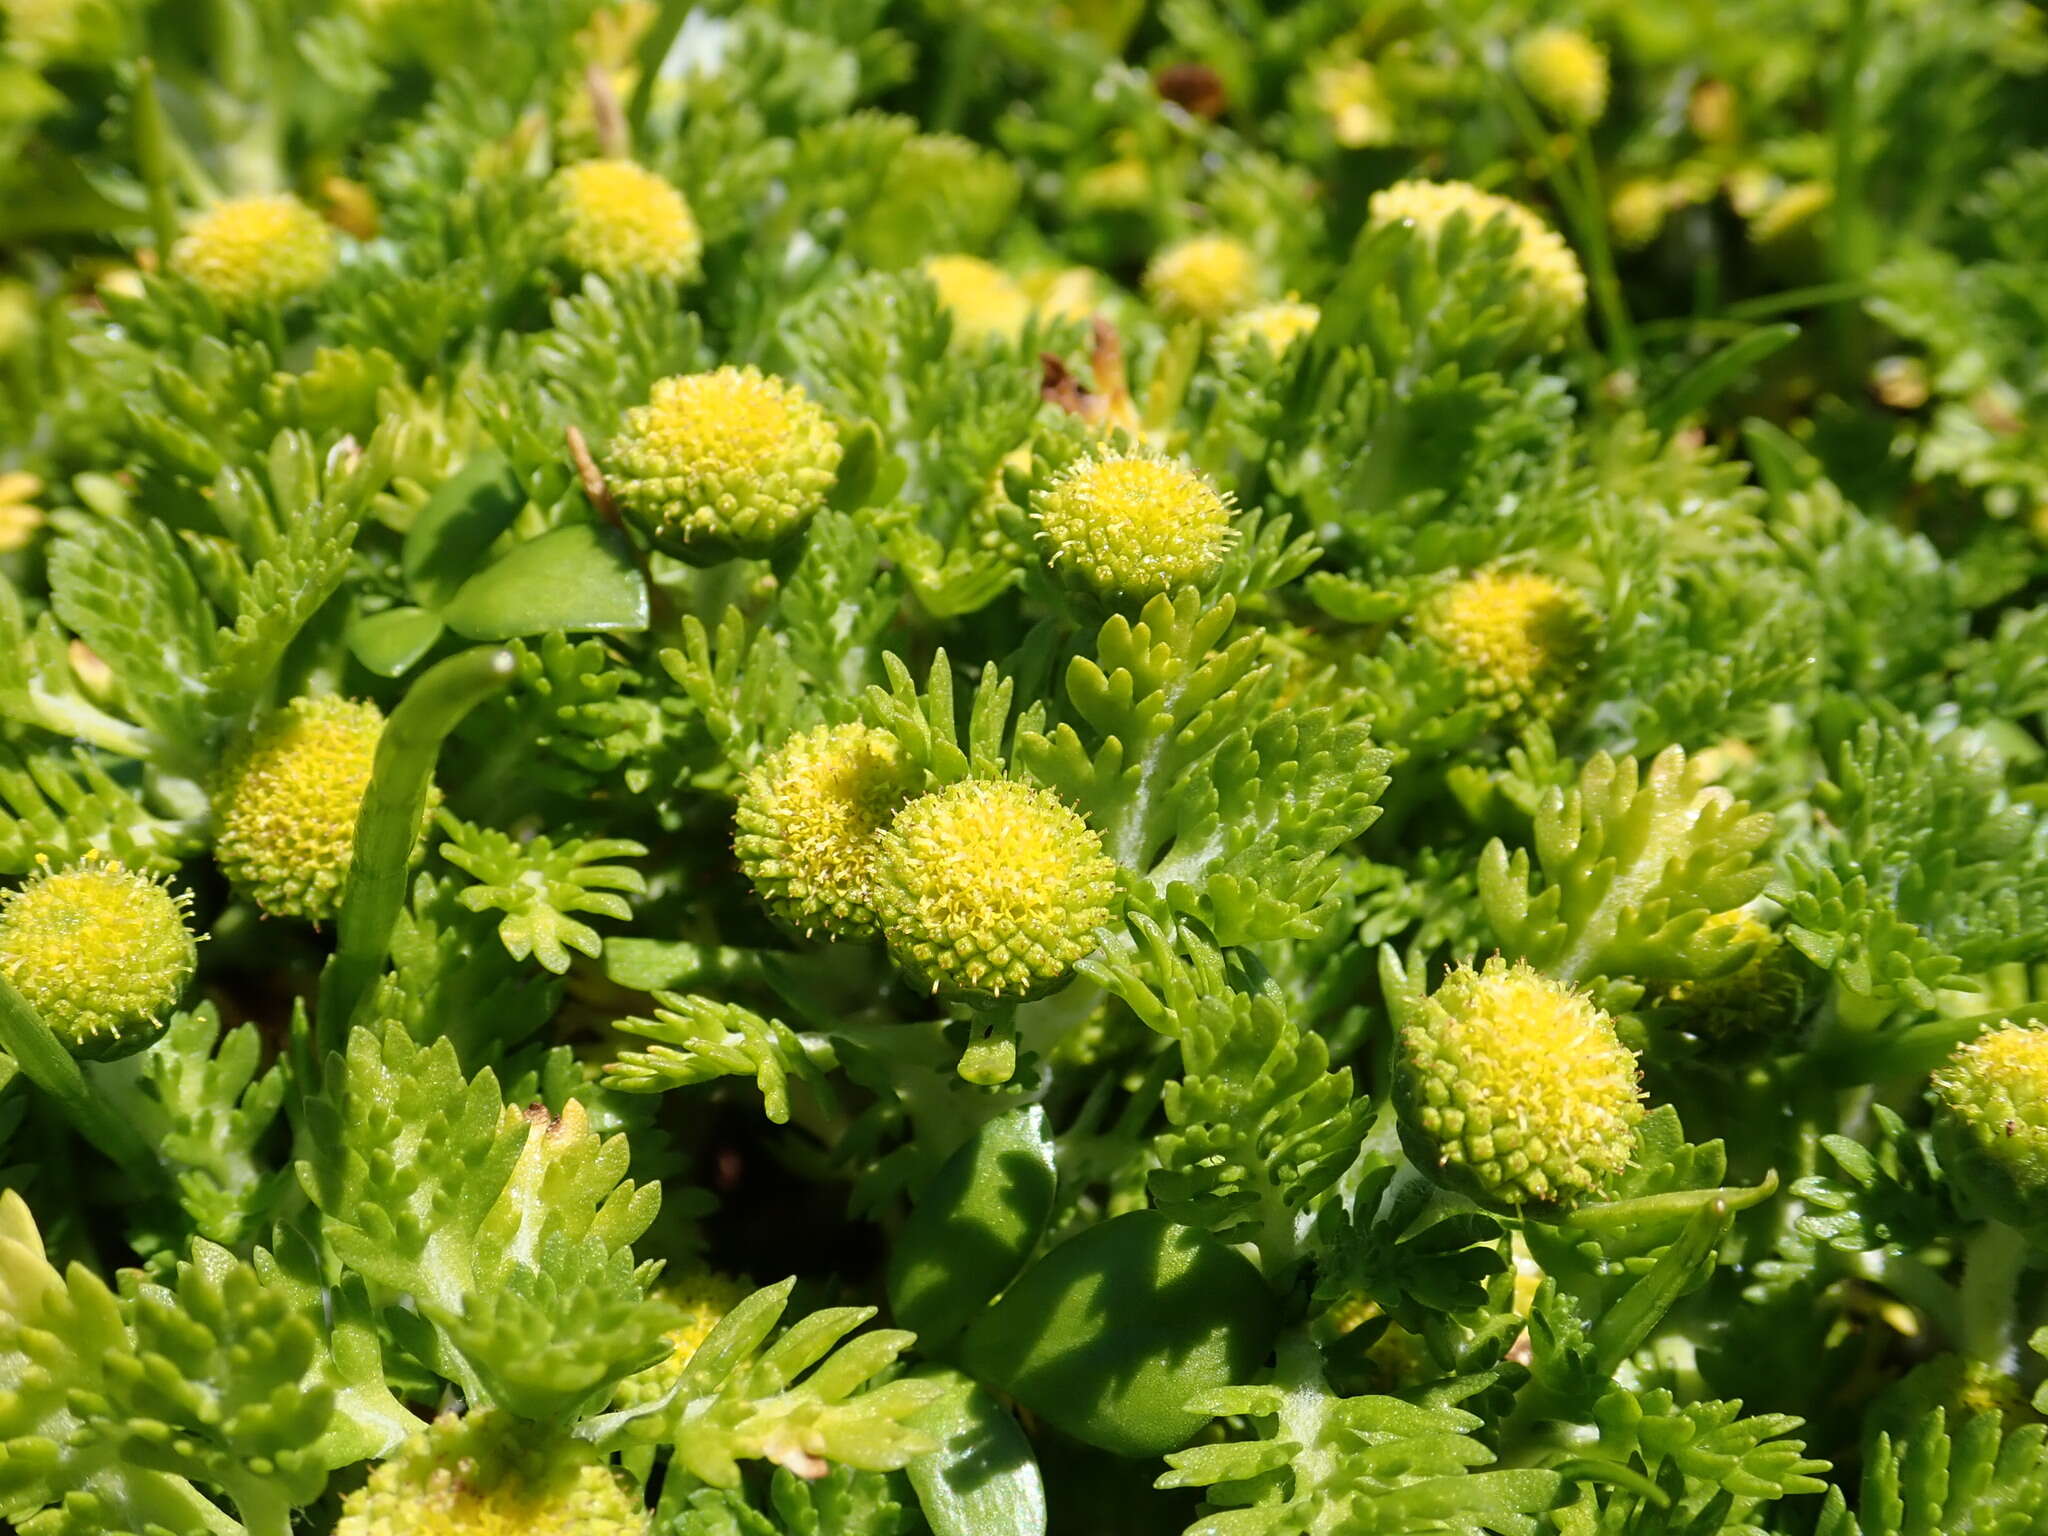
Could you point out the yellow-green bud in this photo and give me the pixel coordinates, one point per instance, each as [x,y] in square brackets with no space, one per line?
[1991,1122]
[1566,72]
[1128,525]
[1204,278]
[256,253]
[731,462]
[984,302]
[1515,1090]
[1522,639]
[809,816]
[491,1475]
[1751,1004]
[102,954]
[1279,326]
[622,220]
[990,890]
[1353,99]
[699,1301]
[287,803]
[1554,285]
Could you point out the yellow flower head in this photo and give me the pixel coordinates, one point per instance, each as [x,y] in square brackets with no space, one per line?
[984,301]
[1279,326]
[1637,210]
[1204,278]
[1116,184]
[700,1301]
[1790,211]
[809,815]
[102,954]
[1064,293]
[1521,638]
[991,890]
[1516,1090]
[1991,1121]
[1756,1000]
[256,253]
[625,221]
[490,1475]
[287,803]
[731,462]
[1554,282]
[1566,72]
[1129,525]
[1351,96]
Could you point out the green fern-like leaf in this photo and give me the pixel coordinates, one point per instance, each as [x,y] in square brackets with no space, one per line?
[540,885]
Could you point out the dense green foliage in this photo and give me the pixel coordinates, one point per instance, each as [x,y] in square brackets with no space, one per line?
[964,767]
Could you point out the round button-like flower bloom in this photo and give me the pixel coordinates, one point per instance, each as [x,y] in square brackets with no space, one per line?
[1566,72]
[1521,638]
[1279,326]
[809,816]
[1516,1090]
[990,890]
[1991,1121]
[984,302]
[625,221]
[287,803]
[730,462]
[1204,278]
[490,1475]
[102,954]
[255,253]
[1128,525]
[1555,284]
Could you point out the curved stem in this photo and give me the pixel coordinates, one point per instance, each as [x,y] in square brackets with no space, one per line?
[389,824]
[1991,1271]
[43,1059]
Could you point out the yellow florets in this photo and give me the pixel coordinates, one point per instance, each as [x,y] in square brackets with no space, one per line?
[287,804]
[1566,72]
[1637,211]
[100,952]
[625,221]
[1515,1089]
[254,253]
[1796,207]
[489,1475]
[700,1302]
[1991,1121]
[731,462]
[808,817]
[984,302]
[1204,278]
[1521,638]
[1279,326]
[1556,285]
[991,890]
[1351,96]
[1754,1001]
[1131,525]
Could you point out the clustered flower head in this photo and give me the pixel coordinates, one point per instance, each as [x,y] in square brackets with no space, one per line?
[1516,1090]
[1566,72]
[700,1301]
[984,302]
[101,952]
[489,1475]
[1205,277]
[622,220]
[1353,99]
[1521,638]
[1279,325]
[1129,525]
[1751,1002]
[287,802]
[1554,283]
[250,254]
[730,462]
[1991,1121]
[990,890]
[808,818]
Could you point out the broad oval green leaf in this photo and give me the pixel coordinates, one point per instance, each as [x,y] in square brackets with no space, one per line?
[1114,1332]
[581,577]
[452,533]
[983,1479]
[975,1226]
[391,642]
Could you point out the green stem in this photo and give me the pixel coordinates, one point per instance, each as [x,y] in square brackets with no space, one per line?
[1991,1271]
[45,1062]
[389,824]
[153,159]
[653,51]
[1850,245]
[1600,256]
